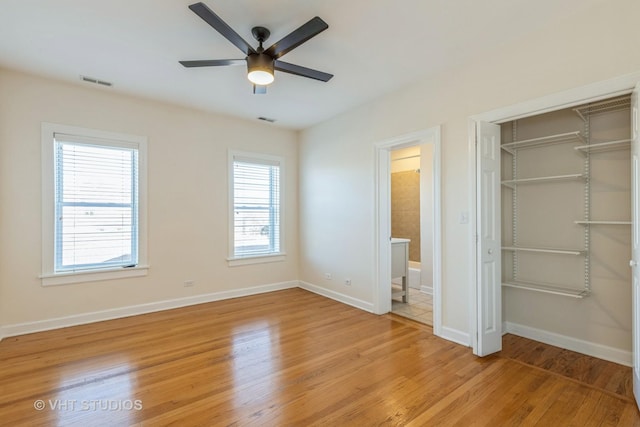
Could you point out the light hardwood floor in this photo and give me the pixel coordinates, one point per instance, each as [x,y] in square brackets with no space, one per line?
[278,359]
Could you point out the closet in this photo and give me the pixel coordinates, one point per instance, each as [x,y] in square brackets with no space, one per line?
[566,224]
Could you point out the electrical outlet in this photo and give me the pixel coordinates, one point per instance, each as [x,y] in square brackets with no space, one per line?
[189,283]
[347,282]
[328,276]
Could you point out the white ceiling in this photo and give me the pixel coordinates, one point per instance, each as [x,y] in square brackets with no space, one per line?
[372,47]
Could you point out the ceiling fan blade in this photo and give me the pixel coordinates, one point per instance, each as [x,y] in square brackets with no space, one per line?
[213,62]
[311,29]
[222,27]
[302,71]
[259,90]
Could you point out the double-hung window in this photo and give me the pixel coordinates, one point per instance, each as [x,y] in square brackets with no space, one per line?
[95,201]
[255,208]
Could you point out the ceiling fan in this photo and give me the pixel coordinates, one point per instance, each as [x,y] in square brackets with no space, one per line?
[261,62]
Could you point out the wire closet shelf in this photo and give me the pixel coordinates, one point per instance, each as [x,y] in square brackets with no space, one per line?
[585,147]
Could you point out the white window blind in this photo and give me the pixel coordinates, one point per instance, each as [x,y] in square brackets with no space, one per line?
[96,204]
[256,207]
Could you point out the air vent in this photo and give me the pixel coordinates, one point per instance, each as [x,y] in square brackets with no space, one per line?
[96,81]
[267,119]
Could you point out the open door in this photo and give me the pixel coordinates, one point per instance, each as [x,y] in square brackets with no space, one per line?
[635,242]
[489,289]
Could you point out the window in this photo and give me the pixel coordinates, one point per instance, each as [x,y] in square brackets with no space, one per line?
[91,199]
[255,233]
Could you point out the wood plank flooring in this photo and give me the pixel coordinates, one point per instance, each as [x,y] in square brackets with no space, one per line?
[288,358]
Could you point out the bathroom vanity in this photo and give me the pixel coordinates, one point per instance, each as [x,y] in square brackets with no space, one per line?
[400,266]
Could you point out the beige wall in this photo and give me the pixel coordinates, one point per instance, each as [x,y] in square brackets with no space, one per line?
[337,199]
[188,197]
[426,215]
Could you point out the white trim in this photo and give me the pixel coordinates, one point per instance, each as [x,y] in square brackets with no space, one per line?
[259,259]
[426,290]
[134,310]
[473,236]
[93,276]
[48,131]
[437,232]
[600,351]
[258,158]
[382,232]
[593,92]
[337,296]
[456,336]
[569,98]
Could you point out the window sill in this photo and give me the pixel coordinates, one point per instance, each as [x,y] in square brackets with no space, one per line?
[257,259]
[93,276]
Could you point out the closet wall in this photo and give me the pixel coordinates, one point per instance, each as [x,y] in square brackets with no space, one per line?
[565,228]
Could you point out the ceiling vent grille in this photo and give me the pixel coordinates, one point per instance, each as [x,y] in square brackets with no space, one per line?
[96,81]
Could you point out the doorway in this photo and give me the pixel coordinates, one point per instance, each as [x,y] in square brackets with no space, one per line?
[430,205]
[412,221]
[486,287]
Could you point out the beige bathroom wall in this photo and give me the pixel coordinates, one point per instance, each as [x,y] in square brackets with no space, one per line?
[405,209]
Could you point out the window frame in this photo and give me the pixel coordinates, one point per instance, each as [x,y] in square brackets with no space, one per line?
[49,276]
[258,158]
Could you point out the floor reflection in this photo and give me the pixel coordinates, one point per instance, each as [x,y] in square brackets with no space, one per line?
[93,389]
[255,354]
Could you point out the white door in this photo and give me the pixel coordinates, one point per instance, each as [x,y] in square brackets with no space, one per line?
[635,244]
[489,290]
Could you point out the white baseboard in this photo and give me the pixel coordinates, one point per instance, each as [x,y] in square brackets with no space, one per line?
[600,351]
[337,296]
[427,289]
[98,316]
[456,336]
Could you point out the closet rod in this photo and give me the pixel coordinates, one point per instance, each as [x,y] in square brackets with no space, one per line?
[543,250]
[548,289]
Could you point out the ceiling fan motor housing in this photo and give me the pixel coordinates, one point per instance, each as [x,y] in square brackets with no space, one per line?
[260,63]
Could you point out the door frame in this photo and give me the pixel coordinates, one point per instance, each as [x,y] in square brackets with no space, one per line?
[382,245]
[618,86]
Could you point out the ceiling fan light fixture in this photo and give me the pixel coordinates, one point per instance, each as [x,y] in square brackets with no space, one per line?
[260,69]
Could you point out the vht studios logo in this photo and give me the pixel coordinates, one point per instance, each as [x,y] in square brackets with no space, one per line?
[88,405]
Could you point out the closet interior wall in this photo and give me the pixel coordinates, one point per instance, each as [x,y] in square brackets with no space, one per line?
[567,236]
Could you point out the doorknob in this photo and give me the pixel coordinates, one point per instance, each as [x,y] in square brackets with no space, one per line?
[490,251]
[632,263]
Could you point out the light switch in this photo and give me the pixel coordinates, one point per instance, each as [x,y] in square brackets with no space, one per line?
[464,217]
